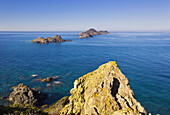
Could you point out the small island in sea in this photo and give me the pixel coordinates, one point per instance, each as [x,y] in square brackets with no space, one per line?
[91,32]
[55,39]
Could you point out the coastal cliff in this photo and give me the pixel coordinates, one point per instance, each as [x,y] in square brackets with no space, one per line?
[91,32]
[105,91]
[55,39]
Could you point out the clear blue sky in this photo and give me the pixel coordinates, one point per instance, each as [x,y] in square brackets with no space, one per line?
[71,15]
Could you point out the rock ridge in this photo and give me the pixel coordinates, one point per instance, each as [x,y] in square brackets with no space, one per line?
[105,91]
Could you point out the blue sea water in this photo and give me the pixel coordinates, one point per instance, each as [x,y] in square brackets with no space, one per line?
[143,57]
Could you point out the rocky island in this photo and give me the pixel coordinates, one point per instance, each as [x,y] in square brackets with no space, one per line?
[105,91]
[91,32]
[55,39]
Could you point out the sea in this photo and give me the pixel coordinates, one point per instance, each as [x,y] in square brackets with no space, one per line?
[143,57]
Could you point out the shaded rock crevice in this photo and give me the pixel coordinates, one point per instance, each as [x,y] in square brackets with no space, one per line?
[114,87]
[96,111]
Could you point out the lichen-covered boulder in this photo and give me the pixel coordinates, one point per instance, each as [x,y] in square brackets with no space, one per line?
[105,91]
[23,94]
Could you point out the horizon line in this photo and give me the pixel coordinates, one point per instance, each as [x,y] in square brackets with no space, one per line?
[83,30]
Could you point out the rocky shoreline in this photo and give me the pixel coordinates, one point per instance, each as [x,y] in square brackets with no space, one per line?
[91,32]
[55,39]
[104,91]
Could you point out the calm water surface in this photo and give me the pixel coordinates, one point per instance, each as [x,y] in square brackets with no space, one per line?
[143,57]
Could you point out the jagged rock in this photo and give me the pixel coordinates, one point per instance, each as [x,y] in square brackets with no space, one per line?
[39,40]
[85,35]
[55,39]
[105,91]
[91,32]
[48,79]
[23,94]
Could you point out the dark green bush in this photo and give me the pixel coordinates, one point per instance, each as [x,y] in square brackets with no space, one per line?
[19,109]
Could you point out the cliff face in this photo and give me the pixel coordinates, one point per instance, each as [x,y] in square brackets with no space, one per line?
[105,91]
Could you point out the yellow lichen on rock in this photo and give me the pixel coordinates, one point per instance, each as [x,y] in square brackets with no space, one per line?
[105,91]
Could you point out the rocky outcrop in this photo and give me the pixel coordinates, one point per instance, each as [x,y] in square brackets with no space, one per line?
[48,79]
[105,91]
[23,94]
[91,32]
[103,32]
[54,39]
[85,35]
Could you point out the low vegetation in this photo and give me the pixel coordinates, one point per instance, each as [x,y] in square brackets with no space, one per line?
[19,109]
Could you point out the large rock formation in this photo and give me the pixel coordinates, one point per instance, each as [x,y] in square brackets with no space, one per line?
[91,32]
[22,94]
[105,91]
[55,39]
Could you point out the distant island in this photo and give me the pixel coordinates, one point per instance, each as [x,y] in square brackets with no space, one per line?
[55,39]
[91,32]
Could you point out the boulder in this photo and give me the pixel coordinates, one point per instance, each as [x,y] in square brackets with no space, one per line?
[48,79]
[105,91]
[3,98]
[34,75]
[55,77]
[23,94]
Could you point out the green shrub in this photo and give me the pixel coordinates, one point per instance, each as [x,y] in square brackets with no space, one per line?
[19,109]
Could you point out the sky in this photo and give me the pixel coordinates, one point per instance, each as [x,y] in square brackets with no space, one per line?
[77,15]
